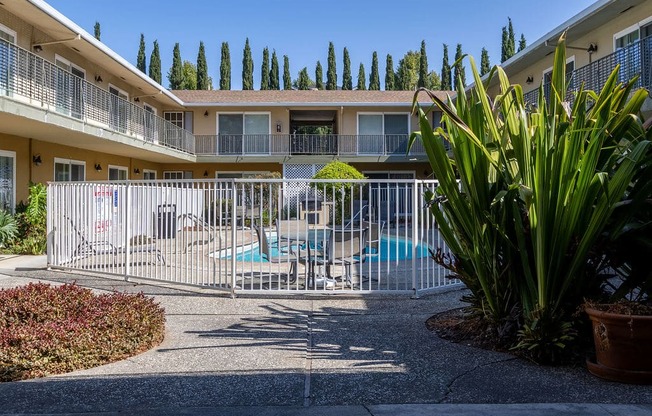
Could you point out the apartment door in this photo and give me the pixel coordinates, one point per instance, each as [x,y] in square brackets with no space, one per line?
[78,89]
[119,109]
[7,180]
[63,90]
[7,60]
[149,123]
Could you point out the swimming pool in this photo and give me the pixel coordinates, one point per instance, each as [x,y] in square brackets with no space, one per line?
[390,248]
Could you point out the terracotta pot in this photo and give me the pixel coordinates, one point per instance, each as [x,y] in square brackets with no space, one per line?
[623,347]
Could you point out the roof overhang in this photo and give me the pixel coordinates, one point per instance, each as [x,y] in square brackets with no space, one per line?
[63,30]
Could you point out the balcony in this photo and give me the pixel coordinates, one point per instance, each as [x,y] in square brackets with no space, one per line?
[31,79]
[634,60]
[306,144]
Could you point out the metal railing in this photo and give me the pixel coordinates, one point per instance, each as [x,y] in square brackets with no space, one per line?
[634,60]
[28,77]
[306,144]
[207,233]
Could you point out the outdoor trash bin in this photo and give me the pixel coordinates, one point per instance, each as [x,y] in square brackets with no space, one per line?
[167,221]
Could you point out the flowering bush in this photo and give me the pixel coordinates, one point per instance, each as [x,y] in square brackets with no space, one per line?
[50,330]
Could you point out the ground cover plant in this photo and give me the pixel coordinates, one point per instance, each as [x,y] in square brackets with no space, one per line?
[538,187]
[48,329]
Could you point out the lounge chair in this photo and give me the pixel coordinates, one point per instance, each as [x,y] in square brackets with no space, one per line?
[86,247]
[205,232]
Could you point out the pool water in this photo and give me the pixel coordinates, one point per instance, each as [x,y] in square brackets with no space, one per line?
[389,249]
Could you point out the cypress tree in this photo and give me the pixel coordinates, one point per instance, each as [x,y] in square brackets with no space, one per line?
[423,66]
[175,75]
[458,71]
[331,74]
[155,64]
[319,77]
[347,80]
[511,41]
[97,30]
[389,73]
[521,43]
[247,68]
[446,84]
[503,46]
[225,67]
[287,78]
[374,77]
[140,59]
[264,70]
[485,66]
[361,78]
[304,80]
[202,68]
[273,73]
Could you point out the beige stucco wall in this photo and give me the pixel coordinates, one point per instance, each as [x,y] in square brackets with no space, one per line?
[602,36]
[27,35]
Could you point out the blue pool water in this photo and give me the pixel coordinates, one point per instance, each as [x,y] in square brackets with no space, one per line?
[390,248]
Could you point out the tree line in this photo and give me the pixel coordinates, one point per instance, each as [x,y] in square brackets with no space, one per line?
[411,72]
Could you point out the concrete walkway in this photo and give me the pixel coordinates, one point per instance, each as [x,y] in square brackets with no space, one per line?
[306,355]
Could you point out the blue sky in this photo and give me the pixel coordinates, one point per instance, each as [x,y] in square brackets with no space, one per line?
[302,29]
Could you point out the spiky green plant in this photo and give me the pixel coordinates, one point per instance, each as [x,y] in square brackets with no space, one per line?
[8,227]
[536,188]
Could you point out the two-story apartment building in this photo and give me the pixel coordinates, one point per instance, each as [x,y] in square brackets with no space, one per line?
[72,109]
[606,34]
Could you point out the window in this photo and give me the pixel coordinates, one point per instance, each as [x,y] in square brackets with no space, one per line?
[70,87]
[119,109]
[243,133]
[7,180]
[149,174]
[69,170]
[177,174]
[8,52]
[547,76]
[383,133]
[174,117]
[149,122]
[633,54]
[117,173]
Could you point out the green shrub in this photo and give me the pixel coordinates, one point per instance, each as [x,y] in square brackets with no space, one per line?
[538,187]
[8,228]
[51,330]
[31,220]
[341,192]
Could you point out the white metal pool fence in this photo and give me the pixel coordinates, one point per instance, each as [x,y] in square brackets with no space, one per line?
[251,235]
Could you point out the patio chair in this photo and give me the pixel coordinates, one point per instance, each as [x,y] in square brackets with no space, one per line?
[264,250]
[290,233]
[86,247]
[387,212]
[374,233]
[345,247]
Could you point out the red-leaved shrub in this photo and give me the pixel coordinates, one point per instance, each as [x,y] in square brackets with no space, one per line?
[56,329]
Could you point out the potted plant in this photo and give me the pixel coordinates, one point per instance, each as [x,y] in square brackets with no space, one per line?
[622,322]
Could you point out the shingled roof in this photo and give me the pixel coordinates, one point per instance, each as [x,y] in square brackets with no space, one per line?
[301,97]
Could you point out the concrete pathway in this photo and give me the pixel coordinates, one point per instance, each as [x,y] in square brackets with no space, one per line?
[306,355]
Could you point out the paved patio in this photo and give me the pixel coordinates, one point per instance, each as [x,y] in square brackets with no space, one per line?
[306,355]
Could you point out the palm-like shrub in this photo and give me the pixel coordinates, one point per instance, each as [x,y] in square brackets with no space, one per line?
[536,189]
[8,227]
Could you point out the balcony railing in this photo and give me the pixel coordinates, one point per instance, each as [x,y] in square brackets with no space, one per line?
[305,144]
[634,60]
[30,78]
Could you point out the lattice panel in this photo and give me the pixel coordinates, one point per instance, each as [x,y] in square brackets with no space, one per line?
[295,191]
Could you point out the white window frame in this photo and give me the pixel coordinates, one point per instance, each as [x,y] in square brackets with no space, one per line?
[121,92]
[382,113]
[244,174]
[151,107]
[11,154]
[568,60]
[630,29]
[149,172]
[62,161]
[10,31]
[183,119]
[118,168]
[175,172]
[389,172]
[244,113]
